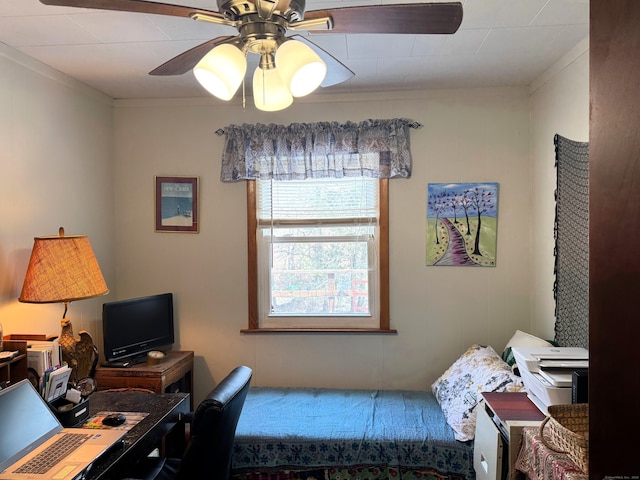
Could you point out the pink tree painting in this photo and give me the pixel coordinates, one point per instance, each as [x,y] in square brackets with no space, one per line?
[462,220]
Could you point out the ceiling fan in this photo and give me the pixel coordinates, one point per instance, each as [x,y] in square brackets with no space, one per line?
[289,65]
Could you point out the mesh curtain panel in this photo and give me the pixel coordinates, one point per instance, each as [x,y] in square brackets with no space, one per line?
[571,286]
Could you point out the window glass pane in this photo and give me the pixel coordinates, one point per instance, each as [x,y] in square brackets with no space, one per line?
[348,231]
[320,278]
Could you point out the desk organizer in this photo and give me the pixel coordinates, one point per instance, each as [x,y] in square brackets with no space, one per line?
[70,414]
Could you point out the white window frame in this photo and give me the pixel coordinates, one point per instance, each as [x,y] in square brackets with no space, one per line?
[259,296]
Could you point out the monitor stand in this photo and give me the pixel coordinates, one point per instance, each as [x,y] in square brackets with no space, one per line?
[126,362]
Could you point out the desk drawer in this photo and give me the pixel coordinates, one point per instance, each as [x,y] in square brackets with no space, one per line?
[488,450]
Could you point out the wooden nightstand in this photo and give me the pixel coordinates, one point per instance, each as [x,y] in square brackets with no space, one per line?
[501,417]
[174,374]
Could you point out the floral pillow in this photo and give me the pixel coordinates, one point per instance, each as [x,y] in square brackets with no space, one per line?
[479,369]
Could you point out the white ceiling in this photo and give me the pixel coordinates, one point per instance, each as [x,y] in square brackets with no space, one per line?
[500,43]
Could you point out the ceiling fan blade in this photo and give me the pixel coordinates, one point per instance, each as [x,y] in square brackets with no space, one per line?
[138,6]
[187,60]
[413,18]
[337,72]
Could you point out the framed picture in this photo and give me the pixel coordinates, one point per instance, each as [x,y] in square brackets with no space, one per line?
[462,222]
[176,204]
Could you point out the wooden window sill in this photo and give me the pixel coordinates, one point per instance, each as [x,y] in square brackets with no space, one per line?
[320,330]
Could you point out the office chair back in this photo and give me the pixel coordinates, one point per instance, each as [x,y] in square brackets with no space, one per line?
[213,428]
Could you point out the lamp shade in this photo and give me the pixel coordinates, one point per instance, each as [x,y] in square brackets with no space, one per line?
[221,71]
[62,269]
[300,67]
[269,91]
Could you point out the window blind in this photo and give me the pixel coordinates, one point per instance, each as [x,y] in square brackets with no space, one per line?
[331,200]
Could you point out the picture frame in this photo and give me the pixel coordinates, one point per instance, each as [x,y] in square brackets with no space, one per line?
[462,222]
[176,204]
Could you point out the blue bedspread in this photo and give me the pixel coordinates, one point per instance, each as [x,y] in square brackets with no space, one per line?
[294,427]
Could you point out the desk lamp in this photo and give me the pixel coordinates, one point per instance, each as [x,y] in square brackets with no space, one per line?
[63,269]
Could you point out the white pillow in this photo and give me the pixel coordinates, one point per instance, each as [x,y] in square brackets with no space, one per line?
[458,390]
[523,339]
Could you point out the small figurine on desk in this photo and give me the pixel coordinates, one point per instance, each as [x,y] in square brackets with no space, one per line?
[155,357]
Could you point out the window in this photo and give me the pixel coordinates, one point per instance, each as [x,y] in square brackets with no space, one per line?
[318,268]
[318,255]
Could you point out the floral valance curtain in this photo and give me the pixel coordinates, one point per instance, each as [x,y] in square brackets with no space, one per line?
[372,148]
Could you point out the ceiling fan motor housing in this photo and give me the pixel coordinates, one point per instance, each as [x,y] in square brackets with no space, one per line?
[291,10]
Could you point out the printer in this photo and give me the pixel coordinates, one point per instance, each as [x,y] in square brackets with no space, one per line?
[548,372]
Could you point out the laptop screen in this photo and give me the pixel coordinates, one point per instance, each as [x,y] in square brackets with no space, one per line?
[25,422]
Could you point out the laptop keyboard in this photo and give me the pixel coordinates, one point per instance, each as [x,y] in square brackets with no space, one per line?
[55,452]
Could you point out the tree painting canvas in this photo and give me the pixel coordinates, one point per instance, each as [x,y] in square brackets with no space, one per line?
[462,221]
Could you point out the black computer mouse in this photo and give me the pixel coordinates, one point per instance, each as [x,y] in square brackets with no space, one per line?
[114,419]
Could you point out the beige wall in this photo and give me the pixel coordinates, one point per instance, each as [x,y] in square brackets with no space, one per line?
[67,159]
[56,150]
[471,135]
[559,104]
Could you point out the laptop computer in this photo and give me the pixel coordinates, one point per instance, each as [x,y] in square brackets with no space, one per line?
[28,429]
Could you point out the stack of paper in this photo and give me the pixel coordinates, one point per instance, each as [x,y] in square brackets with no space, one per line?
[55,383]
[559,372]
[557,378]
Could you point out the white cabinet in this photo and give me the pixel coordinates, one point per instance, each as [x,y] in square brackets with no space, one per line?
[499,423]
[488,449]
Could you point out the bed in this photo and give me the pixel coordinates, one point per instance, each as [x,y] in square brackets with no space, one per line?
[331,433]
[342,434]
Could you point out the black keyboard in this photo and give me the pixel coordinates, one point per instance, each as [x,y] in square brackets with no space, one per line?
[55,452]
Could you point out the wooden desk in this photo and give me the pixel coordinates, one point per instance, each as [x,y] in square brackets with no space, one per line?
[174,374]
[157,429]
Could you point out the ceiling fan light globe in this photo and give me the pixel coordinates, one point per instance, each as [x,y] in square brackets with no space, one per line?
[221,71]
[307,79]
[300,67]
[270,93]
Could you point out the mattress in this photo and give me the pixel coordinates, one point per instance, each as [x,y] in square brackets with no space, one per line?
[298,427]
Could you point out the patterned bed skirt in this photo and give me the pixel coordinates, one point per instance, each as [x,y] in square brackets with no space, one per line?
[347,473]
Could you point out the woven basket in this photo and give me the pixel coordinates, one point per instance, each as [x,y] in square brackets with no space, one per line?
[566,430]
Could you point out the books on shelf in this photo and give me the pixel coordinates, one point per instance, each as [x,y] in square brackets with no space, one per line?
[42,357]
[45,364]
[38,360]
[54,352]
